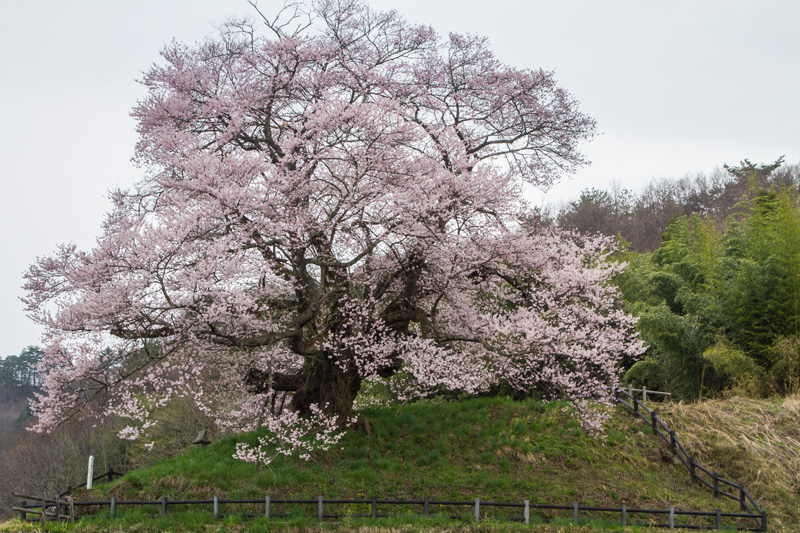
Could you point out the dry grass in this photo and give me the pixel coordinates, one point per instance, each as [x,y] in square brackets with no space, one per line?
[755,442]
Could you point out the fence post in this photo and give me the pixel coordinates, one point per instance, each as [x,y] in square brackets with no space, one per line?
[90,472]
[216,506]
[763,520]
[575,512]
[374,509]
[635,406]
[477,509]
[425,506]
[624,515]
[741,496]
[113,506]
[526,513]
[654,421]
[320,514]
[644,393]
[22,514]
[692,469]
[58,509]
[716,485]
[616,395]
[719,519]
[72,509]
[44,508]
[267,505]
[671,517]
[163,505]
[108,475]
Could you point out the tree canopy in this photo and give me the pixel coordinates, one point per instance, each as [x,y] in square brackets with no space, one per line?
[337,200]
[721,307]
[20,371]
[640,219]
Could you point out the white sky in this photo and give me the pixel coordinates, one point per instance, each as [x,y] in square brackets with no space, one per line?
[676,87]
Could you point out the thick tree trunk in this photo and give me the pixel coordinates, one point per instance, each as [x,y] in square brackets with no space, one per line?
[325,383]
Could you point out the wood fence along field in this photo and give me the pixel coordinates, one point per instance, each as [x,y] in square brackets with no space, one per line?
[479,509]
[429,508]
[715,481]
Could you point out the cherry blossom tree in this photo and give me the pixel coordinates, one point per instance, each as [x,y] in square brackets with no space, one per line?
[336,200]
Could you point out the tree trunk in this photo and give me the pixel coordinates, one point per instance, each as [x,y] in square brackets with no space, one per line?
[325,383]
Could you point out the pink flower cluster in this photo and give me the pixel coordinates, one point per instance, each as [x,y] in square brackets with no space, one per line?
[323,205]
[292,435]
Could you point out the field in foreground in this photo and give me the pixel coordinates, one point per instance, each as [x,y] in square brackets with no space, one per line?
[492,448]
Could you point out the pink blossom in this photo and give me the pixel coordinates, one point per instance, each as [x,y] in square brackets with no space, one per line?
[327,206]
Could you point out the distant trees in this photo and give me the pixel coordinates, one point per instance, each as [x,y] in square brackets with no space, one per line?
[641,219]
[599,211]
[19,371]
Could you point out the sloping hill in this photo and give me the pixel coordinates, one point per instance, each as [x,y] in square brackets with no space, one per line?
[755,442]
[492,448]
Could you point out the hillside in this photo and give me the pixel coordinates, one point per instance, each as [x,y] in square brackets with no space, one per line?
[755,442]
[492,448]
[12,404]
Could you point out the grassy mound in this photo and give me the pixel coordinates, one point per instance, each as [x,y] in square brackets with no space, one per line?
[492,448]
[755,442]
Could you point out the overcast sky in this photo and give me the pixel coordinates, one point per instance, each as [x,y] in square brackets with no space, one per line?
[676,87]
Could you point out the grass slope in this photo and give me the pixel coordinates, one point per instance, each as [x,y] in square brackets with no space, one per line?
[755,442]
[492,448]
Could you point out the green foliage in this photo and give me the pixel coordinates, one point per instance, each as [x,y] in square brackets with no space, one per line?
[669,291]
[764,272]
[734,365]
[715,305]
[785,352]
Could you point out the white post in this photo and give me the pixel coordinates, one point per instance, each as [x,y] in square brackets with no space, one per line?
[644,393]
[90,473]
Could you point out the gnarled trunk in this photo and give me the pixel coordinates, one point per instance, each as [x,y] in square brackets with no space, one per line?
[326,383]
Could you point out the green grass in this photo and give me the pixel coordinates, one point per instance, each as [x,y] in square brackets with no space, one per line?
[493,448]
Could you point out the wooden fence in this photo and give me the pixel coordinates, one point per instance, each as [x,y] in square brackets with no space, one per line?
[108,476]
[475,509]
[57,508]
[666,518]
[705,476]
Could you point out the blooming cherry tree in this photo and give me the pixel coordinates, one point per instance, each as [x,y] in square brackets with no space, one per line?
[290,434]
[338,199]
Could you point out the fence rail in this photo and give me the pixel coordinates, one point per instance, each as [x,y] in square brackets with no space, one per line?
[52,509]
[48,508]
[108,475]
[476,509]
[668,436]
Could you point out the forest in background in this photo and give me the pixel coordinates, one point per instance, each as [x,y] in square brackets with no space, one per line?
[713,275]
[640,219]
